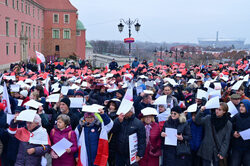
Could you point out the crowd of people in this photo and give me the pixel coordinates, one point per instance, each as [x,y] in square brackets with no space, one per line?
[87,107]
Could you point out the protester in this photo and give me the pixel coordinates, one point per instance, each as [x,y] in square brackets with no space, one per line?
[113,65]
[63,130]
[217,132]
[124,126]
[153,139]
[241,147]
[171,155]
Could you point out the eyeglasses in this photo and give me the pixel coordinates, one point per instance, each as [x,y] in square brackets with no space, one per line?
[173,113]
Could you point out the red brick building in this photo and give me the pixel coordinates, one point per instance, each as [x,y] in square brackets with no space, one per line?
[48,26]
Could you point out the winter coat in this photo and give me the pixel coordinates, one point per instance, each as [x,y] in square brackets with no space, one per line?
[1,147]
[24,159]
[153,147]
[92,133]
[135,64]
[67,159]
[208,149]
[197,135]
[240,123]
[113,65]
[169,152]
[3,119]
[124,130]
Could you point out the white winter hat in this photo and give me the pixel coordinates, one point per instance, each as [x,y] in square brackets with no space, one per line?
[24,93]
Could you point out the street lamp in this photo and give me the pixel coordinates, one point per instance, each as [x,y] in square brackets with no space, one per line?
[129,22]
[161,51]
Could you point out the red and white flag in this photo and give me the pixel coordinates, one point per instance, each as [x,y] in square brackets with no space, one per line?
[39,58]
[46,88]
[5,100]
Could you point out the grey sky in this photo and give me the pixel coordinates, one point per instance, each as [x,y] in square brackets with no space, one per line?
[166,20]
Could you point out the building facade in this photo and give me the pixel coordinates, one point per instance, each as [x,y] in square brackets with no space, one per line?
[47,26]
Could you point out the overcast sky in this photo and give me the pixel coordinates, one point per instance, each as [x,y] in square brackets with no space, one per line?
[166,20]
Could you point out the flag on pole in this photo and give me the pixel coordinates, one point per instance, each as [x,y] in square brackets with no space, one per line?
[6,100]
[46,89]
[39,58]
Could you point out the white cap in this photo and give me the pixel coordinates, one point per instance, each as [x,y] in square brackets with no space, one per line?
[192,108]
[149,92]
[24,93]
[92,108]
[84,84]
[178,75]
[28,81]
[149,111]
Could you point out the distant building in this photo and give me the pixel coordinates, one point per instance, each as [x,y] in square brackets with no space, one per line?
[48,26]
[221,42]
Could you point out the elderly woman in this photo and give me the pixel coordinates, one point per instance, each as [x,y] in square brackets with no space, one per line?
[171,155]
[153,139]
[171,100]
[63,130]
[217,133]
[241,147]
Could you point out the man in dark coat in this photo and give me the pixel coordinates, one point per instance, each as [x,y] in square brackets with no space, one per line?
[113,65]
[124,126]
[142,101]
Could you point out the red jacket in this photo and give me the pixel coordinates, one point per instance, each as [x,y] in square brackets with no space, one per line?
[154,145]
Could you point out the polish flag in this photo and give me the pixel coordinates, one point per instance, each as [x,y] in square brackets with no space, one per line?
[181,104]
[129,94]
[39,58]
[6,100]
[46,88]
[107,67]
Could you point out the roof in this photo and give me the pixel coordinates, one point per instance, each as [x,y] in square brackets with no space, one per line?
[88,45]
[79,25]
[56,4]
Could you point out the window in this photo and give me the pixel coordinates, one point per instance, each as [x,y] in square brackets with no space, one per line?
[26,30]
[17,4]
[13,4]
[6,2]
[66,34]
[22,28]
[7,48]
[22,6]
[15,28]
[38,33]
[33,11]
[42,33]
[29,44]
[14,48]
[38,47]
[34,31]
[29,32]
[56,18]
[7,27]
[66,18]
[56,34]
[29,8]
[26,7]
[78,33]
[38,13]
[34,47]
[57,48]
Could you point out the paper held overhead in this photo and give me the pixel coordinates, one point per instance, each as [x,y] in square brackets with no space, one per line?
[162,100]
[192,108]
[232,109]
[53,98]
[27,115]
[92,108]
[34,104]
[213,103]
[201,93]
[125,106]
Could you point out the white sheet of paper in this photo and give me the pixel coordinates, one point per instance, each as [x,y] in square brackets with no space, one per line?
[192,108]
[150,83]
[237,85]
[191,81]
[201,93]
[111,90]
[14,88]
[26,115]
[161,100]
[207,83]
[19,102]
[245,134]
[139,89]
[92,108]
[217,85]
[34,104]
[125,106]
[53,98]
[13,78]
[213,103]
[232,109]
[76,102]
[215,93]
[61,146]
[10,117]
[171,138]
[246,78]
[64,90]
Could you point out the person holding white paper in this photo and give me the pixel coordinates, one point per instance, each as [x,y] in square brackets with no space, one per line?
[217,127]
[171,154]
[60,131]
[241,147]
